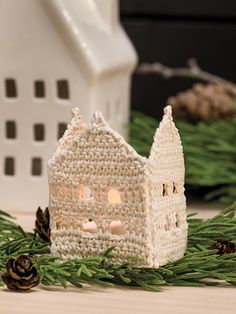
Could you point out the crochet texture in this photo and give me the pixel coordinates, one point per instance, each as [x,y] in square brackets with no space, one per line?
[103,194]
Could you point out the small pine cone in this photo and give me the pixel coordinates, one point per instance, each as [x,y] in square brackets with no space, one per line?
[223,246]
[42,224]
[20,275]
[204,102]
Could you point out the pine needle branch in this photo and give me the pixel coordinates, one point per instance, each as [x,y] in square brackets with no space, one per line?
[199,267]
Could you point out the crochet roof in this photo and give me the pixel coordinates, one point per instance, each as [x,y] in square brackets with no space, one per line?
[78,129]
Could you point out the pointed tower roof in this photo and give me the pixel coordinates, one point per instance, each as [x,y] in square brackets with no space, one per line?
[166,155]
[167,131]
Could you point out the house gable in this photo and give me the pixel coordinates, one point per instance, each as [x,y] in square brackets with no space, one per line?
[97,151]
[86,36]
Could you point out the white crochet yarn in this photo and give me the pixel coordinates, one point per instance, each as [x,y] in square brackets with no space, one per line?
[104,194]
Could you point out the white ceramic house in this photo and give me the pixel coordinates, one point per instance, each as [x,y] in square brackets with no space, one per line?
[55,54]
[103,194]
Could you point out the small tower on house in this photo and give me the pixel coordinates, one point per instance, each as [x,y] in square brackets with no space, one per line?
[55,53]
[103,194]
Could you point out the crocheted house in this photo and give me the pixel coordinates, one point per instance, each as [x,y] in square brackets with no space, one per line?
[103,194]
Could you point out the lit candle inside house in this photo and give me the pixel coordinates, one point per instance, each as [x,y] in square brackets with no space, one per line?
[113,196]
[89,226]
[116,227]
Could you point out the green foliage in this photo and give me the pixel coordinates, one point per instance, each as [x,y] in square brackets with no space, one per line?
[194,269]
[210,153]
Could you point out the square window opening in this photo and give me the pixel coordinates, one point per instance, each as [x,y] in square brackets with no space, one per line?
[36,167]
[9,167]
[39,89]
[39,132]
[10,88]
[62,126]
[63,89]
[10,129]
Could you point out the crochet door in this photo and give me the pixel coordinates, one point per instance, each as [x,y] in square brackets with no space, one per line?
[103,194]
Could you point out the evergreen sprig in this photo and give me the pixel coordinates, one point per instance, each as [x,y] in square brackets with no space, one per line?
[199,267]
[210,153]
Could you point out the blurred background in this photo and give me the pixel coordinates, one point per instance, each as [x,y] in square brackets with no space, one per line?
[189,51]
[171,32]
[129,59]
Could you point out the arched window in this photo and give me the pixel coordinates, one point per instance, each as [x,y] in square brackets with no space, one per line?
[175,188]
[113,196]
[165,189]
[84,193]
[176,221]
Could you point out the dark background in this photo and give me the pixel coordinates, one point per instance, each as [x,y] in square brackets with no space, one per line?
[172,31]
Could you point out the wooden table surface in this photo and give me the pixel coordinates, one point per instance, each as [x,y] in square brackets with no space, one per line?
[94,299]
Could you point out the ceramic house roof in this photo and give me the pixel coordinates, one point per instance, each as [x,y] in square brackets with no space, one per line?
[86,30]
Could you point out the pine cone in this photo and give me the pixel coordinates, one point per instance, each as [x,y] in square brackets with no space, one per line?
[20,275]
[223,246]
[204,102]
[42,224]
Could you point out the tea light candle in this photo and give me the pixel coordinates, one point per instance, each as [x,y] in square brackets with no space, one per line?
[116,227]
[89,226]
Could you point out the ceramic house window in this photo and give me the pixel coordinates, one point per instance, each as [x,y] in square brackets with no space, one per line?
[61,128]
[39,89]
[113,196]
[39,132]
[10,88]
[9,168]
[63,89]
[36,166]
[10,129]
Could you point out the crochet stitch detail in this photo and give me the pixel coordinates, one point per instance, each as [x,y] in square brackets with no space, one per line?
[104,194]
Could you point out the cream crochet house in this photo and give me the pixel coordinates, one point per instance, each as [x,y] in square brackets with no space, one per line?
[103,194]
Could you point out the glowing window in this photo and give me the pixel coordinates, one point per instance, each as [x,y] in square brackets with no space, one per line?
[84,193]
[113,196]
[116,227]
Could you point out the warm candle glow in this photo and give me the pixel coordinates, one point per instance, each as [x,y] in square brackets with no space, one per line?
[113,196]
[116,227]
[89,226]
[84,193]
